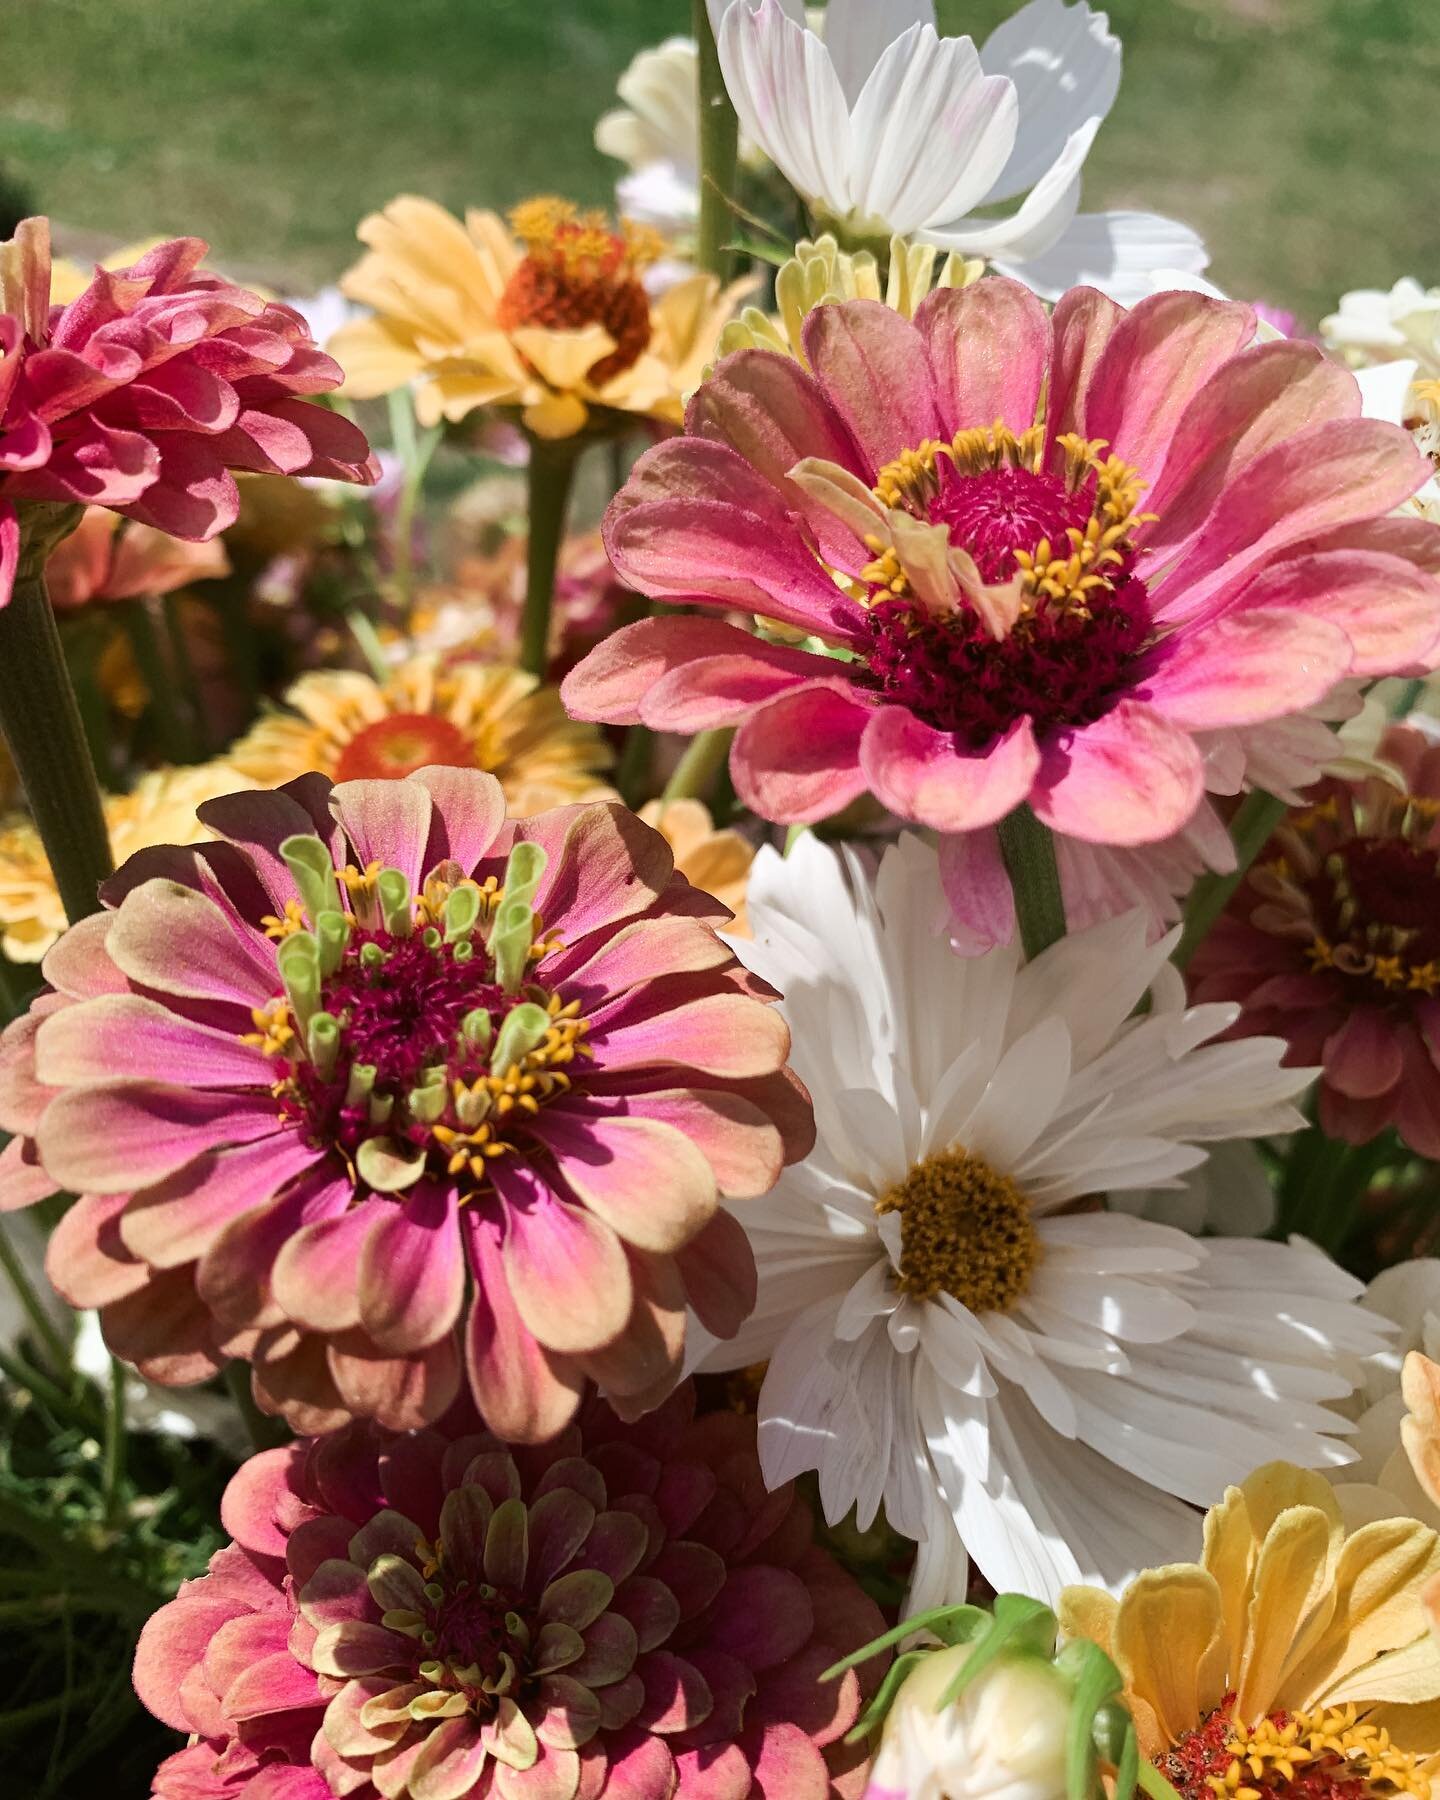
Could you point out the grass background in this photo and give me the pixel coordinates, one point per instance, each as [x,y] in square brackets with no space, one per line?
[1299,135]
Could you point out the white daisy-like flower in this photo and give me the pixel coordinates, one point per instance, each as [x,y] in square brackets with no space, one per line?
[884,127]
[1373,326]
[1408,1295]
[656,133]
[952,1327]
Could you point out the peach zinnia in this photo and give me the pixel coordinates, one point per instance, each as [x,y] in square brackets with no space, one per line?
[381,1087]
[999,557]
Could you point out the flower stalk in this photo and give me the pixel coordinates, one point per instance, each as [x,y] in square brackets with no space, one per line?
[41,722]
[1028,851]
[719,151]
[1256,817]
[550,478]
[697,769]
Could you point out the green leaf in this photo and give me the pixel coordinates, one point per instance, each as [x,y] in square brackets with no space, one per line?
[1019,1624]
[1096,1681]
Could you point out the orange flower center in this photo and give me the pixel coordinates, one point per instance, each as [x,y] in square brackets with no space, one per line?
[578,272]
[1326,1753]
[402,743]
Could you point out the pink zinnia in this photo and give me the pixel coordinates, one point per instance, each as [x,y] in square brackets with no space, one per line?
[145,391]
[625,1612]
[1333,943]
[380,1087]
[1027,558]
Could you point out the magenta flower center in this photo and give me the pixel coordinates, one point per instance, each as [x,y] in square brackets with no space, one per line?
[409,1035]
[1061,538]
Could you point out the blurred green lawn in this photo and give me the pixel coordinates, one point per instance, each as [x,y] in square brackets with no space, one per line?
[1299,135]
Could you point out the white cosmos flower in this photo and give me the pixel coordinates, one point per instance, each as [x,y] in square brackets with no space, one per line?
[885,127]
[1374,326]
[656,132]
[951,1330]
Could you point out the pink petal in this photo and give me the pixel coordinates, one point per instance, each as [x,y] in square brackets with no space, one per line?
[640,1768]
[467,813]
[723,690]
[177,1219]
[1130,778]
[316,1277]
[696,522]
[773,412]
[989,347]
[404,1393]
[164,1330]
[789,1767]
[719,1275]
[870,362]
[981,900]
[763,1617]
[22,1179]
[798,758]
[256,1492]
[728,1035]
[233,1275]
[795,1695]
[1082,324]
[920,773]
[1163,351]
[172,1642]
[1387,608]
[715,1772]
[412,1274]
[614,680]
[128,1134]
[525,1395]
[9,550]
[388,822]
[646,1180]
[1247,668]
[565,1268]
[86,1261]
[739,1140]
[177,941]
[609,867]
[639,954]
[1363,1059]
[77,964]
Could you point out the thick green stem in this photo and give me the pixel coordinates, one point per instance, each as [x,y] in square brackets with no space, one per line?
[186,678]
[114,1474]
[551,476]
[172,728]
[42,1324]
[1028,851]
[719,144]
[1256,817]
[697,769]
[41,722]
[632,774]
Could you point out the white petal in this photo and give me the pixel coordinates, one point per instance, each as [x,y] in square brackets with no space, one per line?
[1065,64]
[789,100]
[930,132]
[1385,390]
[1023,1095]
[1115,252]
[857,31]
[1041,221]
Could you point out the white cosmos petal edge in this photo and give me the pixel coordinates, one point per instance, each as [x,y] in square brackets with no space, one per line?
[1140,1369]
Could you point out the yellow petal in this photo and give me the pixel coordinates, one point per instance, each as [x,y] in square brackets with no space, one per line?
[1412,1728]
[556,416]
[1087,1612]
[563,358]
[1168,1644]
[1290,1588]
[375,359]
[1407,1677]
[1229,1555]
[1378,1581]
[1420,1431]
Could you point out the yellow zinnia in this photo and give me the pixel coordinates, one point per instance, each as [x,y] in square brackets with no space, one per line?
[468,715]
[718,862]
[159,810]
[1295,1659]
[554,319]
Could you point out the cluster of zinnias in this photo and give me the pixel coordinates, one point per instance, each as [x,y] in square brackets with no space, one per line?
[145,391]
[1333,942]
[1000,557]
[624,1611]
[380,1086]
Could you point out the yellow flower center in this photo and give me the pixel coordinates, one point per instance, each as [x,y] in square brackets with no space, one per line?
[1328,1742]
[965,1230]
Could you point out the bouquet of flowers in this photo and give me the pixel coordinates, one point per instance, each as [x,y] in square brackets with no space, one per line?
[841,1204]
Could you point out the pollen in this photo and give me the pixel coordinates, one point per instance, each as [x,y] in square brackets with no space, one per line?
[1322,1753]
[578,271]
[965,1230]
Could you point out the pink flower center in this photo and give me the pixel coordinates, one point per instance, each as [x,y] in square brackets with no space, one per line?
[415,1042]
[1058,543]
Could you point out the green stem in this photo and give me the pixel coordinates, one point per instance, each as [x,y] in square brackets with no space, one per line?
[704,758]
[188,681]
[1028,851]
[551,475]
[41,722]
[719,145]
[47,1333]
[177,744]
[18,985]
[114,1476]
[265,1433]
[1256,817]
[362,629]
[1406,698]
[632,775]
[22,1374]
[794,835]
[414,450]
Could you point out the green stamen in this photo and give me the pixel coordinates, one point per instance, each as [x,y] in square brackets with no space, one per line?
[524,1028]
[393,892]
[322,1040]
[309,862]
[332,932]
[462,913]
[298,959]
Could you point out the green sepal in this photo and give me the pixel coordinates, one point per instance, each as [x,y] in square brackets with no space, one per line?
[387,1166]
[332,933]
[951,1624]
[1118,1742]
[1095,1682]
[298,960]
[462,912]
[525,1027]
[309,862]
[392,890]
[1018,1623]
[874,1715]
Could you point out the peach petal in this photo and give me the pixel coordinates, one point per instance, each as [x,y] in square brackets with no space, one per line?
[566,1271]
[645,1179]
[525,1394]
[412,1272]
[989,348]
